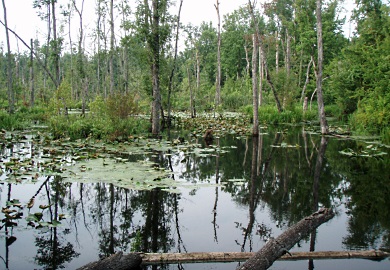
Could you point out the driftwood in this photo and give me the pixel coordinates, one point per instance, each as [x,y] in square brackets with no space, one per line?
[207,257]
[281,245]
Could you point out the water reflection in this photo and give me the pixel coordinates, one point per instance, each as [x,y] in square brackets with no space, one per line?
[316,187]
[285,175]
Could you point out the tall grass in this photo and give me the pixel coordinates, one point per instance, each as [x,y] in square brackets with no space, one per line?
[76,127]
[268,114]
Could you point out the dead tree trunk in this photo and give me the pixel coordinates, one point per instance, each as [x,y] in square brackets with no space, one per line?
[262,51]
[11,95]
[275,248]
[218,77]
[320,99]
[117,261]
[170,84]
[112,44]
[255,89]
[32,93]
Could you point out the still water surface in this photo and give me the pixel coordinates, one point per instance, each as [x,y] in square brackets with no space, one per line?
[237,194]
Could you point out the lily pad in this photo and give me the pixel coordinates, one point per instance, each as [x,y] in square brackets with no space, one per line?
[135,175]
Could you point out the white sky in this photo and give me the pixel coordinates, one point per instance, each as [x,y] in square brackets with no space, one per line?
[23,19]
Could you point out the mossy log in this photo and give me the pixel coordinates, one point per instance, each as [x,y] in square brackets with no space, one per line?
[275,248]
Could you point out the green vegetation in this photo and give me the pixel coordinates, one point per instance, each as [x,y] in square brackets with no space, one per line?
[112,86]
[269,114]
[23,118]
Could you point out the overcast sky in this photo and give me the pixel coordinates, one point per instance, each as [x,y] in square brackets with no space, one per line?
[23,19]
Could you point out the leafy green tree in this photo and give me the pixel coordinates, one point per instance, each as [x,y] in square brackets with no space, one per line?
[236,30]
[359,75]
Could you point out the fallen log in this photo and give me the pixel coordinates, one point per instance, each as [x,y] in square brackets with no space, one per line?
[281,245]
[118,261]
[138,259]
[263,259]
[215,257]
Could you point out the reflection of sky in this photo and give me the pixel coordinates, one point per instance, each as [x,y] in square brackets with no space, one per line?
[195,223]
[196,230]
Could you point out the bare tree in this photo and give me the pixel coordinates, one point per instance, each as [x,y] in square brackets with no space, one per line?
[262,51]
[218,76]
[174,63]
[11,96]
[56,48]
[112,44]
[320,99]
[255,55]
[32,89]
[80,55]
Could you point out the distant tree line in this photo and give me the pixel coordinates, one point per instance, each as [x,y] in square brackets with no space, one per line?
[214,70]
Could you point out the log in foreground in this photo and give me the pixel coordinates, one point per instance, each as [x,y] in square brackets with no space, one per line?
[263,259]
[281,245]
[215,257]
[118,261]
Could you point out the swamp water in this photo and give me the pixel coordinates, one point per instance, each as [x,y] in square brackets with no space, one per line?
[66,204]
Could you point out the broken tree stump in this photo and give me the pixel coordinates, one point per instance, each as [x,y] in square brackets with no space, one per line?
[281,245]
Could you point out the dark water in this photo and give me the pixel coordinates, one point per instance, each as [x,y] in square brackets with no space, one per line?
[266,185]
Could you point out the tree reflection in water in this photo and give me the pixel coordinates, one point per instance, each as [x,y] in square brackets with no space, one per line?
[52,250]
[285,175]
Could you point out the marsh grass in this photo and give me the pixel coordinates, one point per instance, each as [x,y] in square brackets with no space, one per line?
[269,114]
[76,127]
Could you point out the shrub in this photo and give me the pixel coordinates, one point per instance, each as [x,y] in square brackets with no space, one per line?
[120,106]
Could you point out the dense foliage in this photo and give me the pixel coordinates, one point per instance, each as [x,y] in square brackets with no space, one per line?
[118,81]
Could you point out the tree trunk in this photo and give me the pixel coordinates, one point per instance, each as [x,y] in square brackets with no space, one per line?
[307,79]
[117,261]
[112,40]
[197,78]
[56,45]
[277,50]
[11,96]
[255,97]
[32,90]
[320,99]
[72,87]
[261,77]
[247,60]
[155,47]
[262,51]
[218,77]
[191,93]
[80,53]
[170,86]
[98,30]
[194,257]
[275,248]
[288,53]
